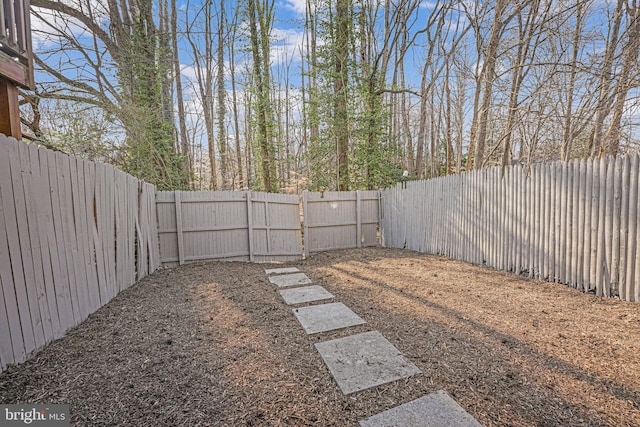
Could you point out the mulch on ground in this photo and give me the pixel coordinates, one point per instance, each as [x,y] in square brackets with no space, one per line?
[214,344]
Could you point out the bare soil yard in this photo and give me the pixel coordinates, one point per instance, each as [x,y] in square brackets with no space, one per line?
[214,344]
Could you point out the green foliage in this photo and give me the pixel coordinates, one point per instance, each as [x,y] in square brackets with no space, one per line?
[149,151]
[373,152]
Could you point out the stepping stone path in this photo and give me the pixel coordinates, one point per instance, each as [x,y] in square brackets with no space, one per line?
[305,294]
[283,270]
[433,410]
[290,280]
[366,360]
[326,317]
[362,361]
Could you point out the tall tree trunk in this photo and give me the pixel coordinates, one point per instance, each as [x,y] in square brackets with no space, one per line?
[260,52]
[185,148]
[525,50]
[488,74]
[234,106]
[222,96]
[606,78]
[567,131]
[341,114]
[630,51]
[447,120]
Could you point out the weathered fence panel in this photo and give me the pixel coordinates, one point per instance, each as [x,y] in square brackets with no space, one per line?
[240,226]
[340,220]
[576,223]
[62,221]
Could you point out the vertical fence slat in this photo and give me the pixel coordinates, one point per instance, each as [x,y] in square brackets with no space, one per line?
[12,283]
[575,243]
[566,204]
[23,247]
[250,226]
[558,209]
[615,226]
[75,225]
[30,173]
[607,234]
[633,284]
[624,227]
[358,220]
[178,207]
[49,253]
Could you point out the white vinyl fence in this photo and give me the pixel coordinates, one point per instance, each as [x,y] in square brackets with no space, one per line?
[72,235]
[575,223]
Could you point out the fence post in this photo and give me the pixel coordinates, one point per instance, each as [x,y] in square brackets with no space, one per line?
[380,218]
[179,227]
[358,220]
[305,228]
[250,226]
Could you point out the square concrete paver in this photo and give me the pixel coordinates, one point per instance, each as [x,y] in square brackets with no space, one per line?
[433,410]
[305,294]
[283,270]
[363,361]
[290,280]
[326,317]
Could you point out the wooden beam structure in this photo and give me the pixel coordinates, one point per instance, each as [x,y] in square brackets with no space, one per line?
[9,109]
[16,62]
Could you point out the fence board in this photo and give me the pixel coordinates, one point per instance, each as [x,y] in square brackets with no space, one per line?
[56,237]
[87,197]
[22,251]
[48,252]
[15,339]
[35,255]
[616,225]
[634,232]
[624,226]
[97,228]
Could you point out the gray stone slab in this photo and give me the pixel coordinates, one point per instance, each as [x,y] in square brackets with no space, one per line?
[326,317]
[433,410]
[283,270]
[290,280]
[305,294]
[362,361]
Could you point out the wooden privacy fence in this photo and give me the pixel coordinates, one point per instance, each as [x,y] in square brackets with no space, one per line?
[72,235]
[575,223]
[340,220]
[254,226]
[243,226]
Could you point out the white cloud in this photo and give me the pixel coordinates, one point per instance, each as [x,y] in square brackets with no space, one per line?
[298,7]
[287,45]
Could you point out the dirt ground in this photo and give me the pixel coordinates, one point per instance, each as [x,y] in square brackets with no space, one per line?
[214,344]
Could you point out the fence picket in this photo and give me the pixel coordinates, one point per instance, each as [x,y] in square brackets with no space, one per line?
[23,247]
[14,297]
[633,258]
[50,258]
[624,226]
